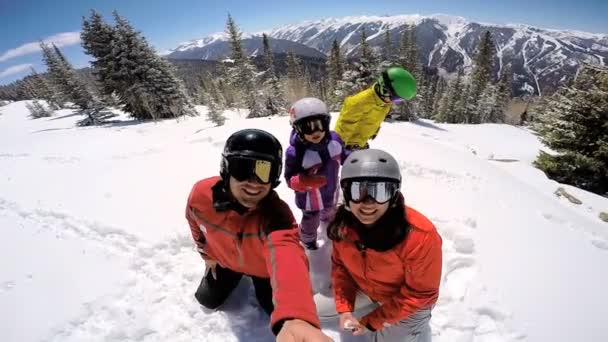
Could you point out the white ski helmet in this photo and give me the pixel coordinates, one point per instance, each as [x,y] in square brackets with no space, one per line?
[307,107]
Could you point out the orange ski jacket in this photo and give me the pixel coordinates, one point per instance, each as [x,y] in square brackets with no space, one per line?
[254,243]
[404,279]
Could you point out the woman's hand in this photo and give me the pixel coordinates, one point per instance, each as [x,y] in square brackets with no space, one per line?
[349,322]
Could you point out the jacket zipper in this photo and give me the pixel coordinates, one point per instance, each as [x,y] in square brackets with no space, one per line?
[239,240]
[364,262]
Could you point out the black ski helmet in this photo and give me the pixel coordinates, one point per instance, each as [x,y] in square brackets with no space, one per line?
[253,143]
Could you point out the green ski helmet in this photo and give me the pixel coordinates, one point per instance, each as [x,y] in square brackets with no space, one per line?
[397,82]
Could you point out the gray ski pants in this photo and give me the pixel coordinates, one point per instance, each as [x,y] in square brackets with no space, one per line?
[415,328]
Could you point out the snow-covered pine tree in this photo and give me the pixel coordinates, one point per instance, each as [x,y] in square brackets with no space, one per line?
[485,105]
[408,58]
[296,82]
[214,113]
[503,95]
[64,79]
[388,53]
[275,102]
[27,89]
[44,90]
[575,124]
[224,86]
[450,100]
[150,89]
[368,69]
[77,89]
[242,74]
[98,40]
[335,70]
[441,88]
[428,98]
[481,75]
[38,110]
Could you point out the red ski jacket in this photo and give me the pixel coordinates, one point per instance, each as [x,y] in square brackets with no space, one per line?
[254,243]
[404,279]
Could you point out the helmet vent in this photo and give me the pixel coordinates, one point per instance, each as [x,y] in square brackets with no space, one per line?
[382,160]
[354,161]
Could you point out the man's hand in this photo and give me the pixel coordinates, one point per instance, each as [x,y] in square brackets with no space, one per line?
[210,266]
[296,330]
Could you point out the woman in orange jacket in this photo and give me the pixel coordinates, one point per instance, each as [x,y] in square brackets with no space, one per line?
[388,251]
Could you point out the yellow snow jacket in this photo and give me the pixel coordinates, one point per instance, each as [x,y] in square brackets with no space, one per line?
[360,117]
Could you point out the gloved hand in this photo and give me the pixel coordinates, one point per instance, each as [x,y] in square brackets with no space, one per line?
[210,266]
[304,182]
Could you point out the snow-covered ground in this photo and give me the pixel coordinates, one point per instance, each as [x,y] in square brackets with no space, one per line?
[95,246]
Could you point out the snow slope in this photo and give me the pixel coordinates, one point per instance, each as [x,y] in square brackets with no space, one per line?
[95,246]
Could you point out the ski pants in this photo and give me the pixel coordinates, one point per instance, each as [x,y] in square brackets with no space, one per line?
[212,293]
[415,328]
[311,220]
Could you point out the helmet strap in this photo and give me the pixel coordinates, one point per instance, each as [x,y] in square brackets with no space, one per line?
[388,84]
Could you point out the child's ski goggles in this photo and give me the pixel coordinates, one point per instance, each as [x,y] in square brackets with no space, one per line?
[312,124]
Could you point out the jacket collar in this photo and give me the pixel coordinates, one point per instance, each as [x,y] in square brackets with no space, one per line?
[223,200]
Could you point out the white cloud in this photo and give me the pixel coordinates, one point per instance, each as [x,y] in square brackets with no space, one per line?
[59,39]
[15,69]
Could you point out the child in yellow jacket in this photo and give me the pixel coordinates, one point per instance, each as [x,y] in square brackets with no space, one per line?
[362,113]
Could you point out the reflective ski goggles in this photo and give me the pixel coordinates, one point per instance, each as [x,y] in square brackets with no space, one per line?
[395,99]
[245,168]
[380,191]
[312,124]
[389,86]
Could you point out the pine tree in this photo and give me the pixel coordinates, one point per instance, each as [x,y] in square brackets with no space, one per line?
[26,89]
[503,95]
[275,102]
[224,86]
[440,89]
[64,78]
[408,58]
[575,124]
[214,113]
[449,103]
[80,94]
[37,110]
[335,70]
[98,40]
[242,74]
[387,53]
[296,81]
[144,82]
[368,68]
[428,98]
[481,75]
[45,91]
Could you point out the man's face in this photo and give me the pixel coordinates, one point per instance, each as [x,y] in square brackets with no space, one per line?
[250,192]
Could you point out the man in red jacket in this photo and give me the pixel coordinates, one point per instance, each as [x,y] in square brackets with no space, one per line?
[241,227]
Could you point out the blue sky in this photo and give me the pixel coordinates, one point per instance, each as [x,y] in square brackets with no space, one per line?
[167,23]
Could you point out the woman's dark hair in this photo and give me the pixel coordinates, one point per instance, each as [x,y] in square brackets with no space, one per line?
[388,231]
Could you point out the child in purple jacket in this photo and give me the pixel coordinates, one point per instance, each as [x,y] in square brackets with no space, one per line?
[312,163]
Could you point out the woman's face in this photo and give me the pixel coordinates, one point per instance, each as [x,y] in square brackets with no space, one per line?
[368,211]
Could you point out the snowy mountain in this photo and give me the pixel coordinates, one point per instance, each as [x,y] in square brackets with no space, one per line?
[541,59]
[217,47]
[95,246]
